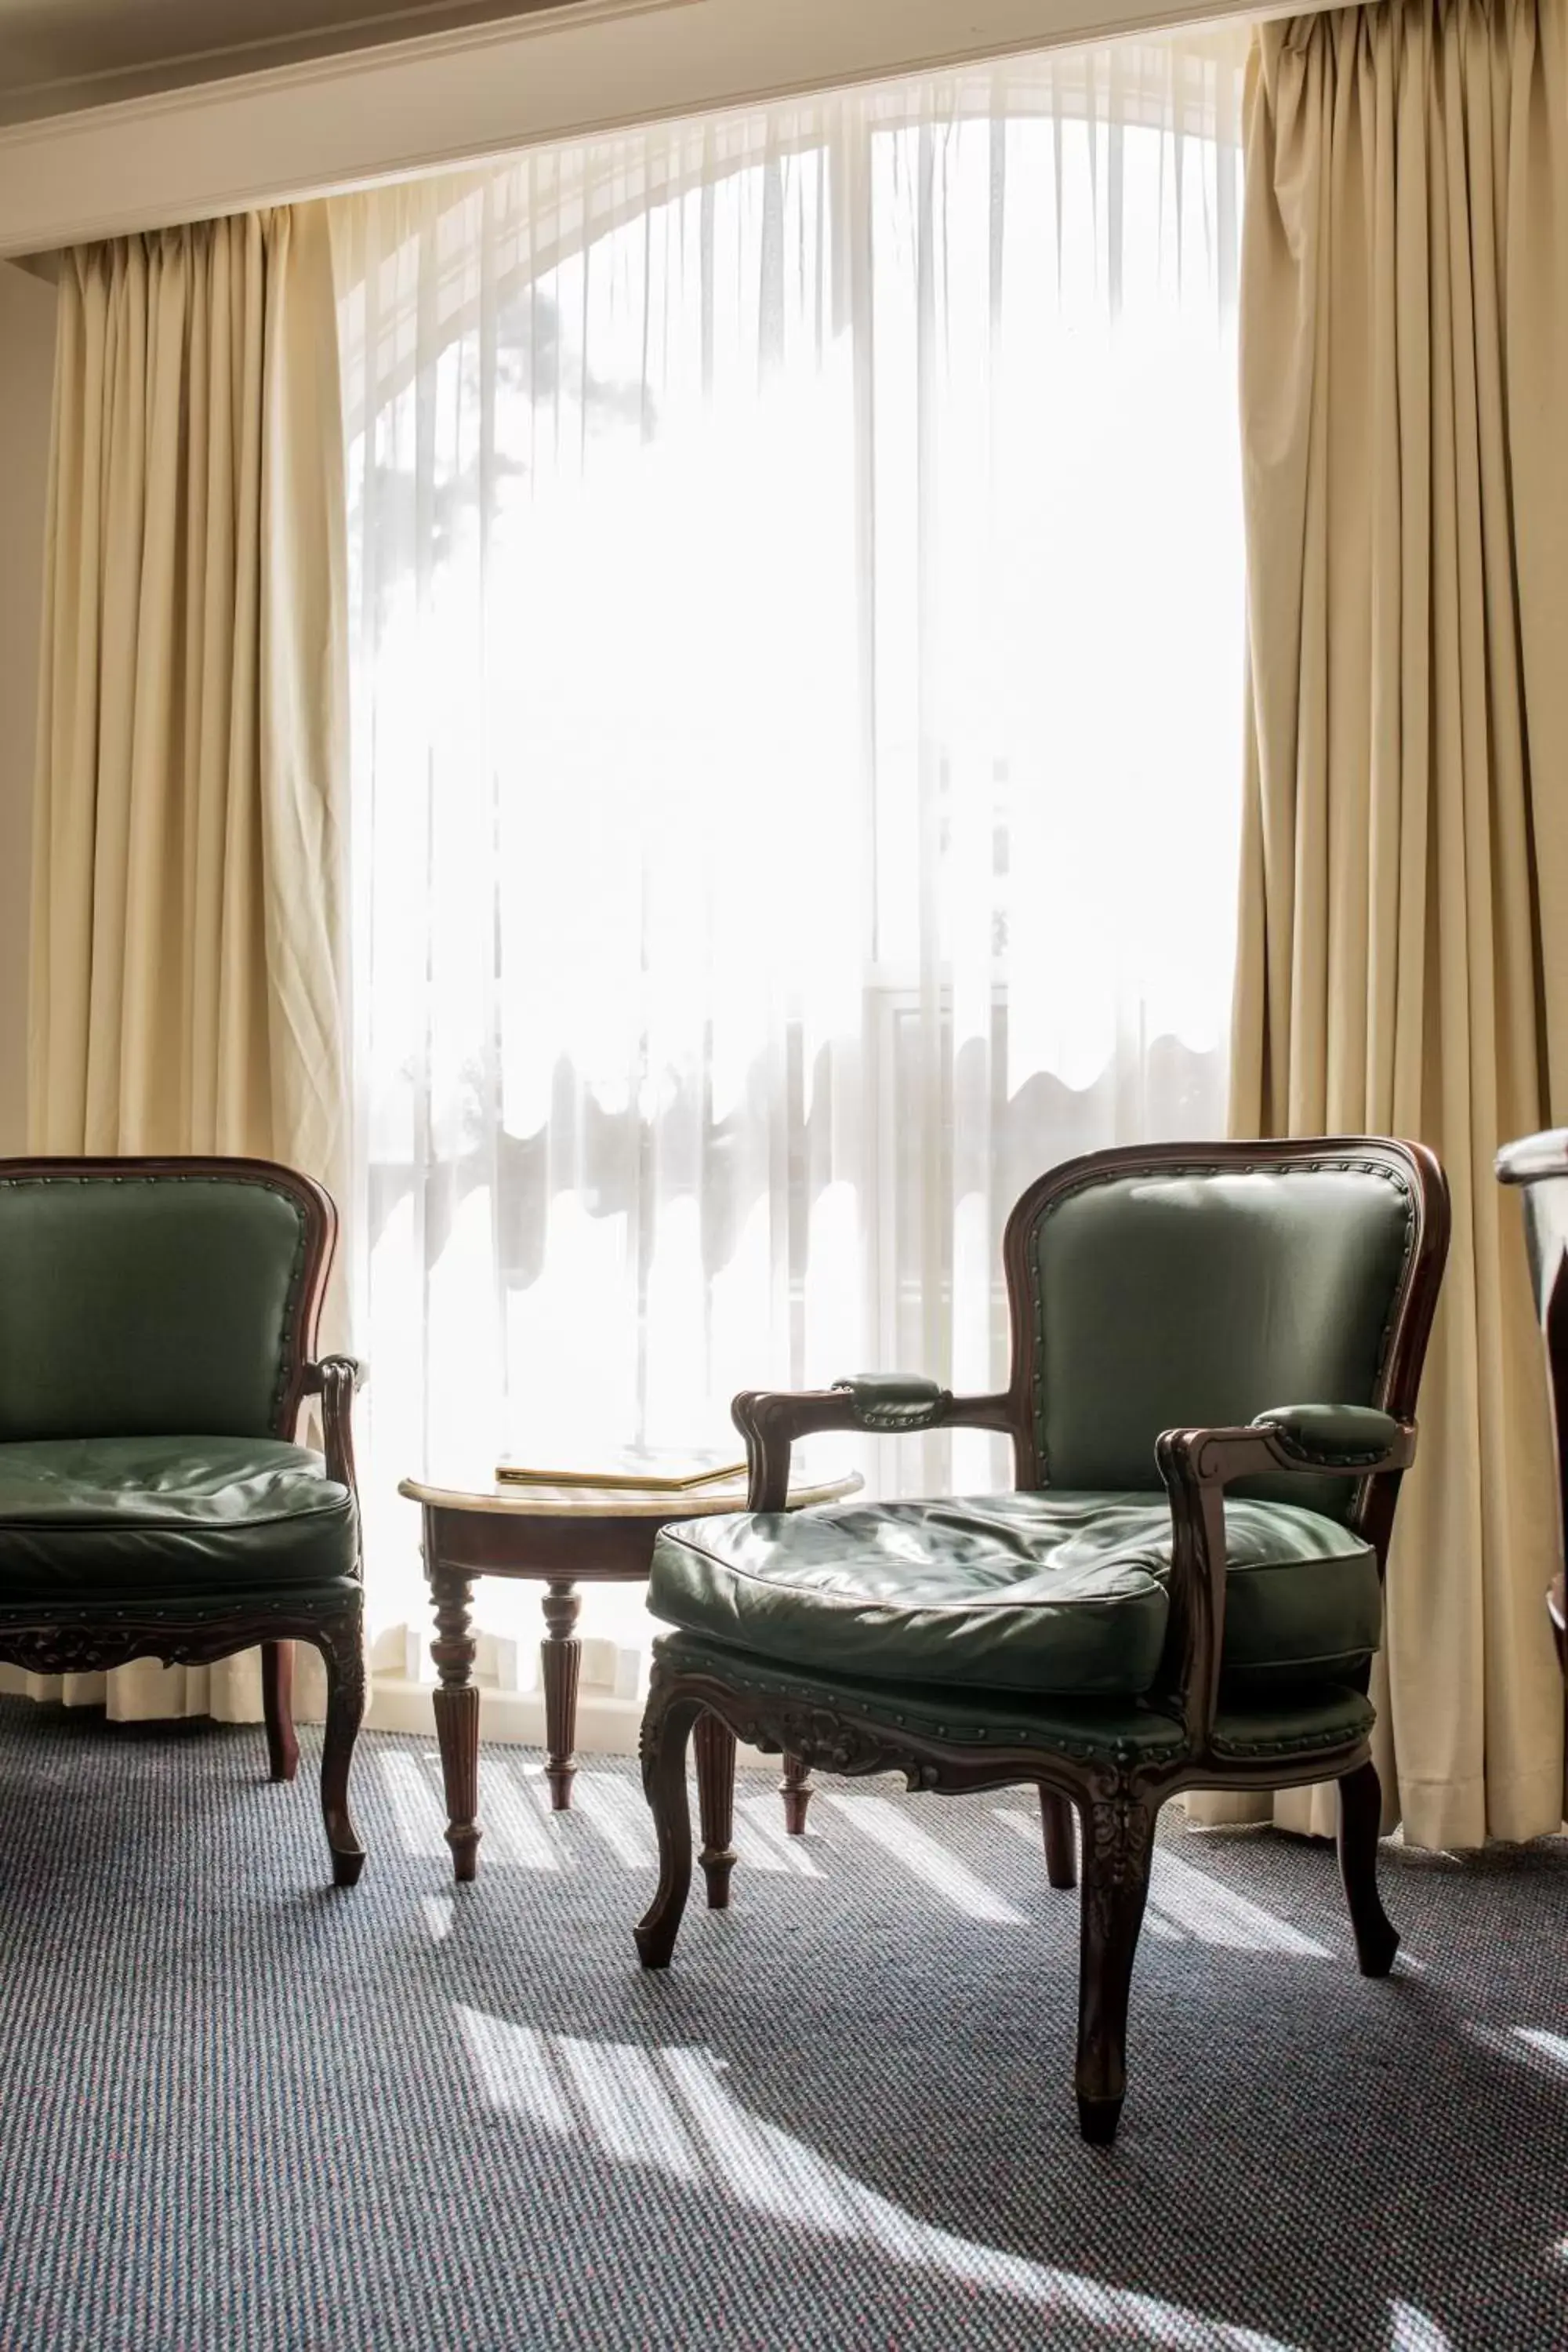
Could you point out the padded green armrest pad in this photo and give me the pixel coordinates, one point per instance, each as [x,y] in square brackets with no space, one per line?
[895,1401]
[1353,1435]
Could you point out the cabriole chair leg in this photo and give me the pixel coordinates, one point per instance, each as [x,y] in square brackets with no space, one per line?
[665,1730]
[278,1705]
[1118,1850]
[1361,1819]
[342,1649]
[794,1787]
[1056,1821]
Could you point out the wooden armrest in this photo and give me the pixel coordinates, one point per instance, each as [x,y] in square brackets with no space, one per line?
[317,1375]
[1197,1465]
[335,1379]
[771,1420]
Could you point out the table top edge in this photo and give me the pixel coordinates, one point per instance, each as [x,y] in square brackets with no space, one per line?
[605,1503]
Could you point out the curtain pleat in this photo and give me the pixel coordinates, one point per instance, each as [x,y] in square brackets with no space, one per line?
[1401,963]
[188,989]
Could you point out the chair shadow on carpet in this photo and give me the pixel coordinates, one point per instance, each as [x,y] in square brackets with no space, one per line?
[843,2118]
[1299,2130]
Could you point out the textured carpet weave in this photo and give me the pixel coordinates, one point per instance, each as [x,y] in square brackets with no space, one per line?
[238,2109]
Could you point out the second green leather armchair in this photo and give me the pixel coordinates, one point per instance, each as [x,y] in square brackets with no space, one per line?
[157,1344]
[1217,1351]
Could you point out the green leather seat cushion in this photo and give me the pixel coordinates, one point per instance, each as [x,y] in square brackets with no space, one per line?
[81,1518]
[1302,1718]
[1057,1594]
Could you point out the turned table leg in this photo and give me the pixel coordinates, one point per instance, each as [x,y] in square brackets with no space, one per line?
[456,1704]
[561,1657]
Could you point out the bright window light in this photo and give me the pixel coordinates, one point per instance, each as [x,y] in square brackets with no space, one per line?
[797,655]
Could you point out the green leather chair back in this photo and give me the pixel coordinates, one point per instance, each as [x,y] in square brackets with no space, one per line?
[1177,1297]
[135,1303]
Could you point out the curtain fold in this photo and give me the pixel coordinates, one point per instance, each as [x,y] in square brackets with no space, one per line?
[188,977]
[1403,960]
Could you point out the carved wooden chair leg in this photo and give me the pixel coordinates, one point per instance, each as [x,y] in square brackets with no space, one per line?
[1055,1820]
[342,1649]
[715,1745]
[1118,1849]
[796,1789]
[1361,1819]
[665,1732]
[278,1705]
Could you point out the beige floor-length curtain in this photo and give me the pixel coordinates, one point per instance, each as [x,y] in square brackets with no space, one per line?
[1404,956]
[188,895]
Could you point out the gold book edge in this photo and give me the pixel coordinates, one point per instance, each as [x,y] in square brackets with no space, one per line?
[622,1482]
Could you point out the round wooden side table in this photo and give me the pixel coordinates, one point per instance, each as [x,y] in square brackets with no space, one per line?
[560,1537]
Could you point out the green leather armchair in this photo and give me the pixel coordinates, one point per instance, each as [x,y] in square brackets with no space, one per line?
[157,1342]
[1217,1351]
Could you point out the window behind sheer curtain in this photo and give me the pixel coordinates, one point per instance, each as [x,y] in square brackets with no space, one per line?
[798,578]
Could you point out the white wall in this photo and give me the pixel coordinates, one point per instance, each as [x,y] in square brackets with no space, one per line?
[26,373]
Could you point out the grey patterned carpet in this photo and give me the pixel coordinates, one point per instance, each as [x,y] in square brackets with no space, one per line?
[239,2110]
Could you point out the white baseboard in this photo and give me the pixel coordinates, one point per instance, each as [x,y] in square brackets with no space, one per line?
[606,1726]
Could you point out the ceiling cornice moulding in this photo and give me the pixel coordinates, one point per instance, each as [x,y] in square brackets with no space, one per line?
[467,93]
[336,69]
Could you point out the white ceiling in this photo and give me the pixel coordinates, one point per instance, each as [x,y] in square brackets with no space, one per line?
[57,55]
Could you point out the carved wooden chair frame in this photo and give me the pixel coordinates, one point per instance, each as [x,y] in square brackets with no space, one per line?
[1118,1801]
[58,1639]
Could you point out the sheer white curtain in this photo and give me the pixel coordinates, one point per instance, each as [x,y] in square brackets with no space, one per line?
[797,573]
